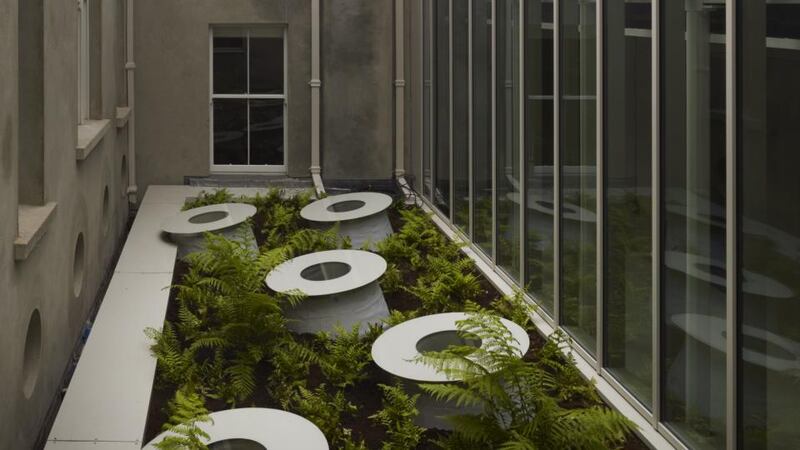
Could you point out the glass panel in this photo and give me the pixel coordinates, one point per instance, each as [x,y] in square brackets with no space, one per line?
[628,154]
[578,171]
[482,173]
[427,97]
[230,61]
[441,149]
[461,114]
[539,151]
[230,131]
[266,65]
[693,221]
[507,129]
[266,132]
[769,290]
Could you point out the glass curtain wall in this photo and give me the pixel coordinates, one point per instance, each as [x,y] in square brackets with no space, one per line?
[769,224]
[693,275]
[482,165]
[461,136]
[628,194]
[578,154]
[442,132]
[507,132]
[539,152]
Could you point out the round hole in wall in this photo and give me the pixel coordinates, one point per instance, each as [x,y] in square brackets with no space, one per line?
[106,208]
[78,264]
[441,340]
[236,444]
[326,271]
[32,354]
[346,206]
[209,217]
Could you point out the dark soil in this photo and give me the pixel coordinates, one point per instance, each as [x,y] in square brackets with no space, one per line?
[366,394]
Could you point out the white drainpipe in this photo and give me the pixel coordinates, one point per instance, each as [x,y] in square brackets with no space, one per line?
[130,67]
[399,100]
[399,89]
[316,84]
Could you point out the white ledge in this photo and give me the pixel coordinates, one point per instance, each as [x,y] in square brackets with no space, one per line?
[32,222]
[122,116]
[90,134]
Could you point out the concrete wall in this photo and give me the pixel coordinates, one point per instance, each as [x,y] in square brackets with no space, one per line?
[357,89]
[172,58]
[44,281]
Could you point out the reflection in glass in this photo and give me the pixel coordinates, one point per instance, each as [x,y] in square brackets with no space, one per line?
[230,61]
[266,62]
[507,129]
[441,149]
[230,131]
[539,151]
[266,132]
[427,97]
[693,220]
[578,136]
[482,173]
[628,155]
[769,296]
[461,115]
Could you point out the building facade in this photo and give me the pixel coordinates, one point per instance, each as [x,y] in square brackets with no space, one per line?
[628,164]
[63,191]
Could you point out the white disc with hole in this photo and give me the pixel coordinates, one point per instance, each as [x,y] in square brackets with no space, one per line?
[342,287]
[361,216]
[258,429]
[226,219]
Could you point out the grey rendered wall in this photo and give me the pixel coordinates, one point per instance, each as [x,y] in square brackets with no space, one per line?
[44,281]
[172,82]
[357,89]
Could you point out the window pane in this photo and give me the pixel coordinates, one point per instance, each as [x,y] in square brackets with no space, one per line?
[578,171]
[427,98]
[628,153]
[461,114]
[482,123]
[441,60]
[507,152]
[266,132]
[230,61]
[539,151]
[266,65]
[230,131]
[769,291]
[693,215]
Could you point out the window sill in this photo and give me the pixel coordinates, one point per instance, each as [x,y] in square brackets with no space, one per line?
[33,222]
[123,114]
[90,134]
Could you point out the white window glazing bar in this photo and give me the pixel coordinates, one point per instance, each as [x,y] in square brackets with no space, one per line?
[600,247]
[731,229]
[494,132]
[521,149]
[557,162]
[470,125]
[656,209]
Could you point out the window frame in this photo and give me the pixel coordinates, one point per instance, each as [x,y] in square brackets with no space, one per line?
[247,168]
[84,62]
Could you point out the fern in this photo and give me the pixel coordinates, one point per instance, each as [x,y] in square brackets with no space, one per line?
[516,397]
[397,417]
[326,410]
[186,411]
[209,198]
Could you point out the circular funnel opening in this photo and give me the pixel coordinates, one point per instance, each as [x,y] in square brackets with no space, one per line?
[346,206]
[325,271]
[209,217]
[441,340]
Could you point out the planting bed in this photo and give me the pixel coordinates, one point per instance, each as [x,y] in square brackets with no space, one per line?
[225,343]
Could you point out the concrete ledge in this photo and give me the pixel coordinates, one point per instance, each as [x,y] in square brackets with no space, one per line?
[122,116]
[33,222]
[89,135]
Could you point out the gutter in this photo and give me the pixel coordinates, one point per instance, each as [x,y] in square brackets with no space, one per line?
[316,85]
[130,67]
[399,102]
